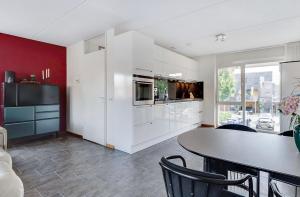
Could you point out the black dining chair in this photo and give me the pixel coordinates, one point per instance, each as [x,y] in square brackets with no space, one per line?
[230,170]
[280,178]
[238,127]
[289,133]
[181,181]
[274,190]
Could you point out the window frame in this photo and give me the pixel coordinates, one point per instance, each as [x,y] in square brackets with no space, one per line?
[241,103]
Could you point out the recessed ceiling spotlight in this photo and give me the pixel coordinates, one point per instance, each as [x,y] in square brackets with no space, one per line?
[220,37]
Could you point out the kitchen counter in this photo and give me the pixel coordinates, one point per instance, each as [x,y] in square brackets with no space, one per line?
[177,101]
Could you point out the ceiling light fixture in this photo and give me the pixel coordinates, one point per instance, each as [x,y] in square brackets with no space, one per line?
[220,37]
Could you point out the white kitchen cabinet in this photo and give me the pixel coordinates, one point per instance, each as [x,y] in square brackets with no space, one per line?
[196,112]
[185,114]
[178,116]
[156,121]
[142,54]
[160,69]
[159,53]
[149,127]
[168,63]
[142,114]
[161,119]
[142,133]
[174,125]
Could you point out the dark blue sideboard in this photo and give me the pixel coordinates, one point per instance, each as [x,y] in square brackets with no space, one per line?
[30,109]
[31,120]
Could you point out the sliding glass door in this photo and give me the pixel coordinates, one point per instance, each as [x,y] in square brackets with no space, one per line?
[249,95]
[229,96]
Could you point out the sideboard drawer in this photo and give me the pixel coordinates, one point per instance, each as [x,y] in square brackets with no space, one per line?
[46,108]
[16,130]
[47,126]
[18,114]
[46,115]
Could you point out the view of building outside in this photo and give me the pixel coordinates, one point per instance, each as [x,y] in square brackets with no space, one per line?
[262,95]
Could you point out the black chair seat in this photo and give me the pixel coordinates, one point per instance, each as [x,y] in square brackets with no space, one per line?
[238,127]
[289,133]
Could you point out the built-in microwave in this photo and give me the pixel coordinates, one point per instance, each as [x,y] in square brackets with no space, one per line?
[143,90]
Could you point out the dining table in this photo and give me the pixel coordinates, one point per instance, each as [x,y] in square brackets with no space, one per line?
[274,154]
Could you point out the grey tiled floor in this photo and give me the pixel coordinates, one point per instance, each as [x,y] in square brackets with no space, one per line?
[71,167]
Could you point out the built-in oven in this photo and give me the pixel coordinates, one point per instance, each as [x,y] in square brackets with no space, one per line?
[143,90]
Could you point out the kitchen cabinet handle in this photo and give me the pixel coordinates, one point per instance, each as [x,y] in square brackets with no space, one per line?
[144,69]
[142,106]
[139,124]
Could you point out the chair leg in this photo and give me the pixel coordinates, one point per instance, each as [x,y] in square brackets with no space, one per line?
[258,184]
[270,192]
[206,167]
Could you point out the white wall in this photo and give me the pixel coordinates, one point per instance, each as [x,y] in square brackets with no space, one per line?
[207,68]
[270,54]
[293,51]
[74,96]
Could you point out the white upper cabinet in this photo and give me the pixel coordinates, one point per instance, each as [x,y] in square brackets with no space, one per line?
[170,64]
[143,54]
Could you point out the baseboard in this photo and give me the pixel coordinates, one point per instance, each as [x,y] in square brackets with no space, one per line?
[74,134]
[207,125]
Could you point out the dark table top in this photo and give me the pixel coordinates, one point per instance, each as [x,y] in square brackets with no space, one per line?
[266,152]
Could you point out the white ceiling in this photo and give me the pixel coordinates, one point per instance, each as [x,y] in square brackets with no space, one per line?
[188,25]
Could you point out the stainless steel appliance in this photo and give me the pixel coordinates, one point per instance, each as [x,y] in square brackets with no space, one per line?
[143,90]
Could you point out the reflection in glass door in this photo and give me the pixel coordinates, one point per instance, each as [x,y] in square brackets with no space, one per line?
[262,95]
[249,95]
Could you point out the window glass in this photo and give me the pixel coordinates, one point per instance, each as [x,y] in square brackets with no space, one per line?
[229,84]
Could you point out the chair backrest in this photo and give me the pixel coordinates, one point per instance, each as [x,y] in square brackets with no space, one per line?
[275,189]
[181,181]
[237,127]
[289,133]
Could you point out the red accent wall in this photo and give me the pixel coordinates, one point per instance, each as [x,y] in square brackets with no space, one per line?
[25,57]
